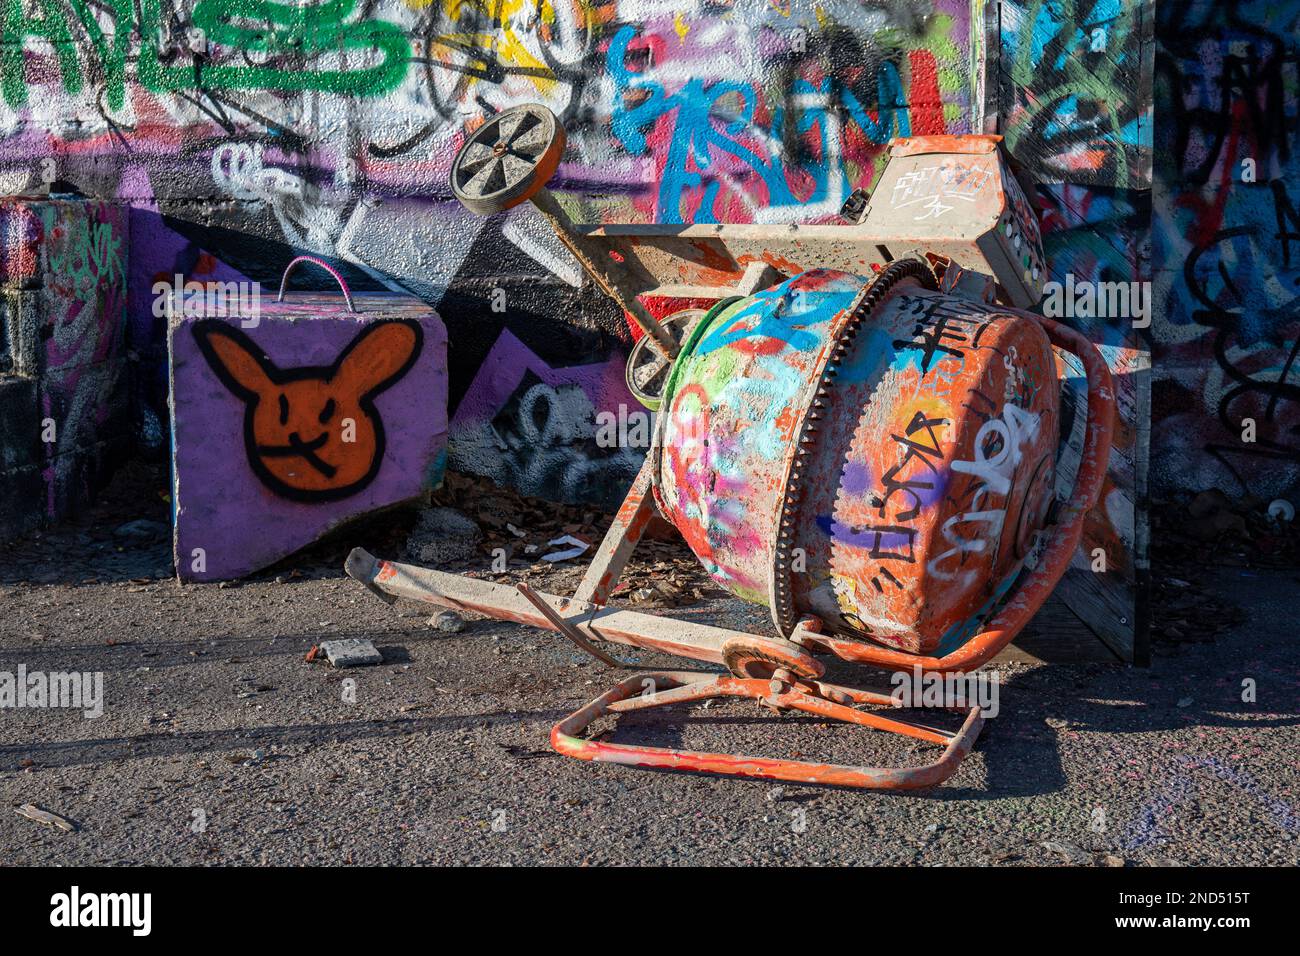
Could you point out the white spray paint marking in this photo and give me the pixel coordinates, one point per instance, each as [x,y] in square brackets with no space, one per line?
[1016,427]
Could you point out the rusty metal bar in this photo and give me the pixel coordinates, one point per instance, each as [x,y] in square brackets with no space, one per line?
[827,708]
[564,627]
[565,739]
[620,540]
[607,272]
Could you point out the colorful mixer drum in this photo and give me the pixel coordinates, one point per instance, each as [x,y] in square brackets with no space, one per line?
[871,451]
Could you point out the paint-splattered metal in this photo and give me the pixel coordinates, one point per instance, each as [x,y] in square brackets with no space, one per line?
[874,452]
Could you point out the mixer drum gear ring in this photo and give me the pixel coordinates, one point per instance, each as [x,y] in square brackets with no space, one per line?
[784,615]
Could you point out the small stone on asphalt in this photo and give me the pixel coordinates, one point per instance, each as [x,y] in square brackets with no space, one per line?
[448,621]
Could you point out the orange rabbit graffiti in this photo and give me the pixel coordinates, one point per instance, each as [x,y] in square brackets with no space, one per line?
[313,433]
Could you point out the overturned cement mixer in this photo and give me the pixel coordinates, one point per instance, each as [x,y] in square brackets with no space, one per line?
[862,434]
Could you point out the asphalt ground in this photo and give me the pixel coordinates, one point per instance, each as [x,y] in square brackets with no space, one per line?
[219,744]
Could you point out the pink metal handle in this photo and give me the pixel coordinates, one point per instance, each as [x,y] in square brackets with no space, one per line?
[284,280]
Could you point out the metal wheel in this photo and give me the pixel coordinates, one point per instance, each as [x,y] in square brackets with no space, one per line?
[647,369]
[508,159]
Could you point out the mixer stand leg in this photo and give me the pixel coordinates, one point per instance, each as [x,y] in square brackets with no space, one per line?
[620,540]
[663,688]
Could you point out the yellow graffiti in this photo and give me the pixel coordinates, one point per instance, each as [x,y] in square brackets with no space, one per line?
[681,26]
[506,44]
[850,603]
[931,407]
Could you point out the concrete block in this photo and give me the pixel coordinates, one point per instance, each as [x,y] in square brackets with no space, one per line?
[21,500]
[289,423]
[350,652]
[20,424]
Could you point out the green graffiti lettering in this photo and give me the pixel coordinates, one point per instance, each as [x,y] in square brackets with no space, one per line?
[277,43]
[50,25]
[273,30]
[112,55]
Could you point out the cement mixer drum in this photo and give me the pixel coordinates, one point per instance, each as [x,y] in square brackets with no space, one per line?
[871,451]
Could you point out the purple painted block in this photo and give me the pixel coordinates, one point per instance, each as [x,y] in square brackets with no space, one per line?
[284,429]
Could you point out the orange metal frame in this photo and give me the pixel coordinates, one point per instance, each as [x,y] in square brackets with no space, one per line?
[780,674]
[676,687]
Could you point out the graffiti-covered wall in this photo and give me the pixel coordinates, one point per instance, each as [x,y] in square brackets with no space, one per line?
[63,383]
[1069,85]
[241,131]
[1227,223]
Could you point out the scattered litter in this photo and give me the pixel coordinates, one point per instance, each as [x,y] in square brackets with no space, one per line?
[350,652]
[1186,701]
[36,814]
[313,653]
[578,548]
[515,531]
[1110,859]
[1210,530]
